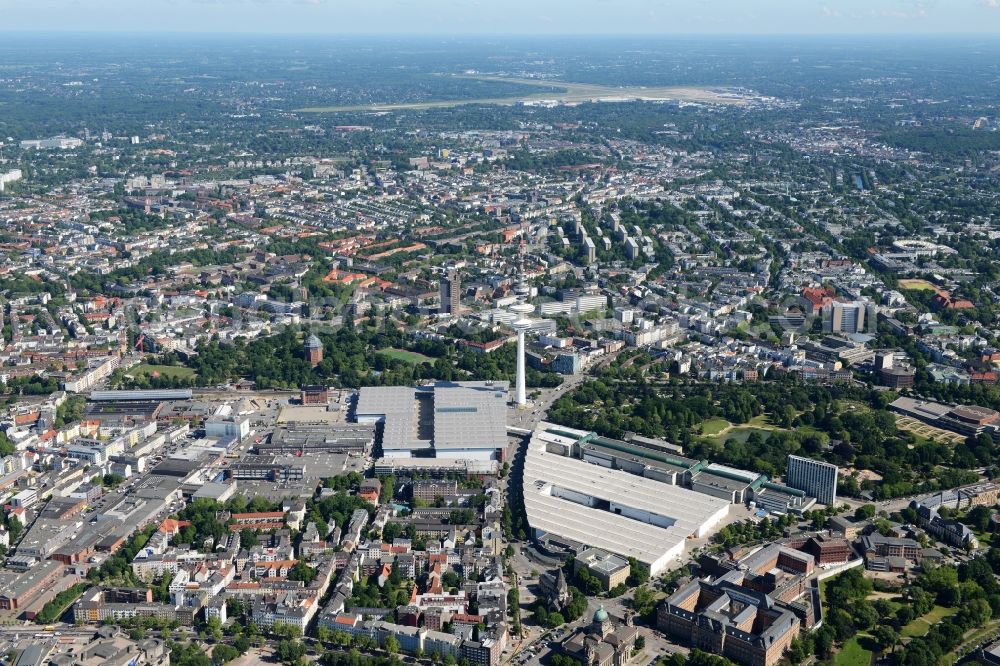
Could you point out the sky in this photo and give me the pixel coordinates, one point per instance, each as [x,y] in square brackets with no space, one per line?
[537,17]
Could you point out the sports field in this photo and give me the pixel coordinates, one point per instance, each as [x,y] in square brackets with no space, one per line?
[916,285]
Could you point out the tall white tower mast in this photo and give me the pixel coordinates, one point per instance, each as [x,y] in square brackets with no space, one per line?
[521,326]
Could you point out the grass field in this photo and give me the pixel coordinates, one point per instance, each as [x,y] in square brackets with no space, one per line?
[407,356]
[921,625]
[719,430]
[714,427]
[916,285]
[888,597]
[742,433]
[171,371]
[853,654]
[855,407]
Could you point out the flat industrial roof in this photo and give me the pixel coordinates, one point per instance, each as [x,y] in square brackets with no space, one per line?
[707,478]
[640,454]
[311,414]
[407,465]
[601,560]
[396,407]
[470,415]
[921,408]
[690,512]
[312,435]
[23,582]
[447,416]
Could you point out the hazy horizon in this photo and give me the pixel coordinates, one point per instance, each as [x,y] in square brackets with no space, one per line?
[448,18]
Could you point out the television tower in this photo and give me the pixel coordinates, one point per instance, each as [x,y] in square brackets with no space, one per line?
[521,326]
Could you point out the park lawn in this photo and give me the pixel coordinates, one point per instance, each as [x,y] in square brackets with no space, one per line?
[742,433]
[407,356]
[920,626]
[719,429]
[853,654]
[855,407]
[713,427]
[171,371]
[888,599]
[939,613]
[761,421]
[806,431]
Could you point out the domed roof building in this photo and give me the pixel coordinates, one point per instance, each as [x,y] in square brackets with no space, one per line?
[602,643]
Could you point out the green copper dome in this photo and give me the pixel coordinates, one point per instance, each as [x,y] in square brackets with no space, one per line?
[601,615]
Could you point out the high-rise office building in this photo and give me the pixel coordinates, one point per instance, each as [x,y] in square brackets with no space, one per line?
[450,291]
[814,477]
[590,249]
[854,317]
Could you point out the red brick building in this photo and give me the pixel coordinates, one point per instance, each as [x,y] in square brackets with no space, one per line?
[315,395]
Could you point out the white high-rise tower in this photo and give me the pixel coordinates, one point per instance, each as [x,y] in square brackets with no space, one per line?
[521,326]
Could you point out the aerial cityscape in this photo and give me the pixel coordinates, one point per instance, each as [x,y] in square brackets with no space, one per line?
[606,344]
